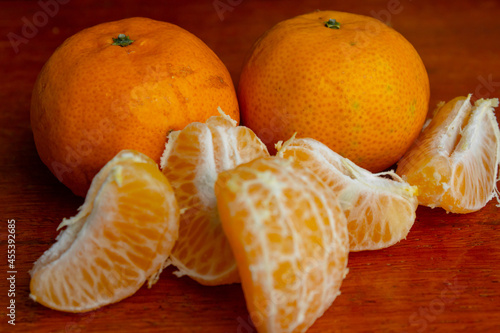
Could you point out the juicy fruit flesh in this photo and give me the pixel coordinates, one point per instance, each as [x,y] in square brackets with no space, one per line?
[289,238]
[122,236]
[380,211]
[192,159]
[455,160]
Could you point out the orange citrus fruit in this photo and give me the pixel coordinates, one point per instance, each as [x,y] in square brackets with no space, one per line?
[121,237]
[193,157]
[361,89]
[380,211]
[289,237]
[123,85]
[454,161]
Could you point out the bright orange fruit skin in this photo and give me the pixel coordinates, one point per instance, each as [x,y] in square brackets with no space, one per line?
[93,99]
[362,89]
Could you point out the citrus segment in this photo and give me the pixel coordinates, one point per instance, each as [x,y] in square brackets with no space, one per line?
[192,159]
[122,236]
[380,211]
[289,238]
[454,162]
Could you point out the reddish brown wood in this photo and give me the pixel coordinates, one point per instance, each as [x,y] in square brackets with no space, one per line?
[444,277]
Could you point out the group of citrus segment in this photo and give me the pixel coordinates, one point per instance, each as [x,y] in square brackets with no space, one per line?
[221,209]
[454,162]
[121,237]
[192,160]
[283,225]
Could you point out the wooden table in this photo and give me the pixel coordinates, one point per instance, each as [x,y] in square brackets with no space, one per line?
[445,277]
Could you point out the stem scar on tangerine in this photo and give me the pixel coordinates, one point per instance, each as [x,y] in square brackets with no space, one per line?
[332,24]
[122,40]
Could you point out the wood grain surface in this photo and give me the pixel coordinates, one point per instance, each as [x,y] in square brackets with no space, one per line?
[445,277]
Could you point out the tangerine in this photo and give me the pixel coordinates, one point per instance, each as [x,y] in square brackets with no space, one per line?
[347,80]
[123,85]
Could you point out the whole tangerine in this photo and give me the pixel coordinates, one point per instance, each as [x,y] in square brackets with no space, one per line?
[123,85]
[347,80]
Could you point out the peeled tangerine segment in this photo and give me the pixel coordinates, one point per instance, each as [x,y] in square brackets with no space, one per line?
[380,208]
[192,159]
[121,237]
[289,237]
[454,161]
